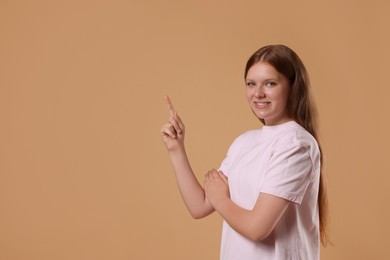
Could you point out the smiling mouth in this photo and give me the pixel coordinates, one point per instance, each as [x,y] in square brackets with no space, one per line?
[262,103]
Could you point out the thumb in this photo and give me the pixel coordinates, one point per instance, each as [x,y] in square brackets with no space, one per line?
[224,177]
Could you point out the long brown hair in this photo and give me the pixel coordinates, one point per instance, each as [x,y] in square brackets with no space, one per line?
[301,108]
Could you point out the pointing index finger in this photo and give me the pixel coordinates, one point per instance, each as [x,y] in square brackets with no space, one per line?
[170,106]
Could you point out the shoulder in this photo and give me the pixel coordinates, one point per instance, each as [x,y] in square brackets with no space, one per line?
[297,141]
[296,135]
[245,138]
[250,134]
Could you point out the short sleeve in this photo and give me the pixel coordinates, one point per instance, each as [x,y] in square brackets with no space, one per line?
[288,173]
[225,165]
[227,162]
[234,149]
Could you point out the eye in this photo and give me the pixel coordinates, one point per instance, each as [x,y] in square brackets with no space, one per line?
[250,84]
[270,84]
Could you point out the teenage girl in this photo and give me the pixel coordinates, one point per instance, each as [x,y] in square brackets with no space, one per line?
[269,189]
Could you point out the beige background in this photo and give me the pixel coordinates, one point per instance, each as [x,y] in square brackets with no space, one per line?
[83,172]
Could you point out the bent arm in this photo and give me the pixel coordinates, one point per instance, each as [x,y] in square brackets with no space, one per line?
[190,189]
[255,224]
[193,194]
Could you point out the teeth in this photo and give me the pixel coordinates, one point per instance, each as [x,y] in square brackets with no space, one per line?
[261,103]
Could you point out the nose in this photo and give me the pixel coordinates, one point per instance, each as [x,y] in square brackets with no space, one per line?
[259,93]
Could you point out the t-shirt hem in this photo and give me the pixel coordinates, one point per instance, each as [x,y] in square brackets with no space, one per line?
[287,196]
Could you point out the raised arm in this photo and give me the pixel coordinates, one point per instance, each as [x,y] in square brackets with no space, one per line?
[193,195]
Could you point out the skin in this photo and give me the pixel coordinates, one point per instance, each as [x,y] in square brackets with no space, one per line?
[264,84]
[192,192]
[267,93]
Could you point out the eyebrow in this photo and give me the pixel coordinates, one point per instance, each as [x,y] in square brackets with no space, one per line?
[269,79]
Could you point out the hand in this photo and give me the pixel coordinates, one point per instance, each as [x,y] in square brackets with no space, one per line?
[216,187]
[173,131]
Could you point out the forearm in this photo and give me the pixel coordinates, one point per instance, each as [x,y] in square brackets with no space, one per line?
[191,191]
[241,220]
[257,223]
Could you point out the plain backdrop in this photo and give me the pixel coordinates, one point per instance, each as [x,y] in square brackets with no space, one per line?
[83,171]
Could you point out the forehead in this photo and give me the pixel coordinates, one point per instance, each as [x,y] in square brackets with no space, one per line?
[263,70]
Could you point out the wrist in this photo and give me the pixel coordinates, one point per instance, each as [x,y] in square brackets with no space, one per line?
[179,149]
[222,204]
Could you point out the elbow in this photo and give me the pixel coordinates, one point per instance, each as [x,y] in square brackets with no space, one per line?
[196,215]
[200,214]
[258,235]
[257,238]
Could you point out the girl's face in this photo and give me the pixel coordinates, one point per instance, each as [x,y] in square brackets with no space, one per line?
[267,92]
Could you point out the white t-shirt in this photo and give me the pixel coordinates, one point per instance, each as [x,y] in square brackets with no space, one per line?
[284,161]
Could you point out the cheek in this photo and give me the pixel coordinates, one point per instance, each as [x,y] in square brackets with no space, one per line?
[281,96]
[287,97]
[248,94]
